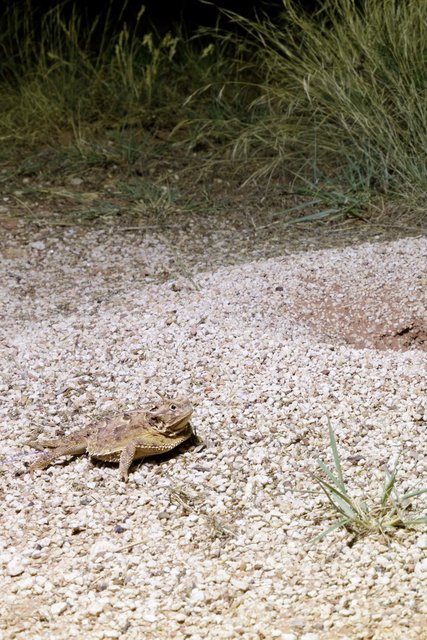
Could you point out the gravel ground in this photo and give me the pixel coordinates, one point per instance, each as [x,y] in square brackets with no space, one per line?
[213,540]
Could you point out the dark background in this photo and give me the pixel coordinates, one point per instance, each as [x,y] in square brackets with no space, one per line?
[163,14]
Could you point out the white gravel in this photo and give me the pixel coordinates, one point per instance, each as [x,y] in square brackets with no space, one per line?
[212,541]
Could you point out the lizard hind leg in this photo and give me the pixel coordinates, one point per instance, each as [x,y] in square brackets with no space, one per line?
[48,457]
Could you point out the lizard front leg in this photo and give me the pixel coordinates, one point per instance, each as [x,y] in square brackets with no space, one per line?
[127,456]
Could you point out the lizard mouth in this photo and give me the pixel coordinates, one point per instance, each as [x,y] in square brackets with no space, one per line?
[183,421]
[159,424]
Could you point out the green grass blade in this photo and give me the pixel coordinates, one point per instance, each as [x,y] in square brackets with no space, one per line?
[341,502]
[385,517]
[337,525]
[330,475]
[390,481]
[414,494]
[298,207]
[415,521]
[336,457]
[318,215]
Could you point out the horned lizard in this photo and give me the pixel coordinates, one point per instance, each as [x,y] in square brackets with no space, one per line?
[150,430]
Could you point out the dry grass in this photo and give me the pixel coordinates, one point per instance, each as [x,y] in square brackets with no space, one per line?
[341,98]
[335,103]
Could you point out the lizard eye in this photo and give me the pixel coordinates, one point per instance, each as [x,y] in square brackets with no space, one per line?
[173,407]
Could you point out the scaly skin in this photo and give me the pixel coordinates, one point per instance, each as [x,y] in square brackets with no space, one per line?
[126,437]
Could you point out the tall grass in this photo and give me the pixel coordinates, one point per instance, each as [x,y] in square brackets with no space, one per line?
[336,98]
[62,72]
[341,93]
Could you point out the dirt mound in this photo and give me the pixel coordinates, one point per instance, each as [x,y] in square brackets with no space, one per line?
[371,323]
[377,303]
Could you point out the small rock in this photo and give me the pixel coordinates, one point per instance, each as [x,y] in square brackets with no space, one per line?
[421,566]
[197,595]
[39,245]
[102,547]
[58,607]
[26,583]
[298,622]
[44,542]
[76,529]
[112,633]
[95,608]
[422,542]
[180,616]
[125,625]
[149,616]
[119,529]
[5,557]
[15,568]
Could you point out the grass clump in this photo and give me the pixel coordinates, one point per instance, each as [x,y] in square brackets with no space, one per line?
[101,84]
[334,100]
[341,96]
[393,511]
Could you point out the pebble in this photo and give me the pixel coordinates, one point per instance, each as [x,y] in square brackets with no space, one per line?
[197,595]
[112,633]
[422,542]
[95,608]
[101,548]
[421,567]
[180,616]
[58,607]
[15,568]
[149,616]
[27,583]
[39,245]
